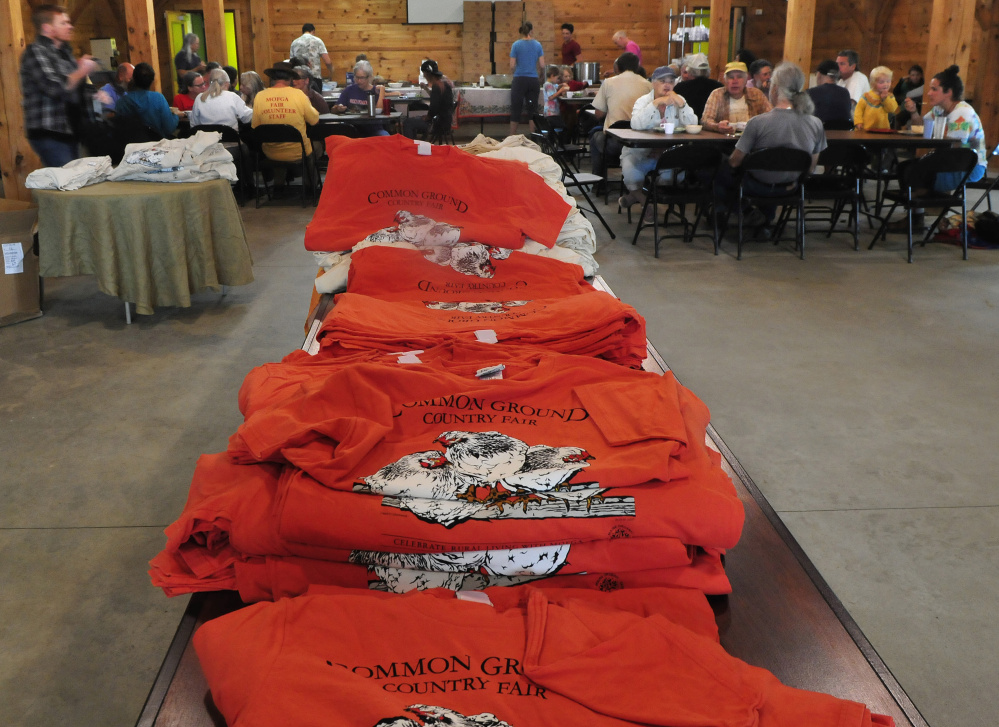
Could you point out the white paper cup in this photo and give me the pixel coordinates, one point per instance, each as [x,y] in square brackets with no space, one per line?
[669,127]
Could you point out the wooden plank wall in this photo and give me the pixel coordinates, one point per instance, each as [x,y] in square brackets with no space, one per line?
[596,22]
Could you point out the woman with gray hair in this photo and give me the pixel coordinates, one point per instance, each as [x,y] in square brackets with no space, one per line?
[354,98]
[187,59]
[219,105]
[789,124]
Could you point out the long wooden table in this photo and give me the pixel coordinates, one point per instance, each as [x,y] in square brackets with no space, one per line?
[781,615]
[870,139]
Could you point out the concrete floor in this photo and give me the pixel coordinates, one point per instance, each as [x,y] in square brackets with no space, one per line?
[857,391]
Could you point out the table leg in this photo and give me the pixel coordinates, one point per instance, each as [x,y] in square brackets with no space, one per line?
[128,315]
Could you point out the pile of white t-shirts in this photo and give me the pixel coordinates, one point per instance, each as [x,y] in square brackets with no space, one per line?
[196,159]
[77,173]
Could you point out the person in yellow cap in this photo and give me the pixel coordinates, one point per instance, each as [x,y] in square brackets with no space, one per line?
[733,103]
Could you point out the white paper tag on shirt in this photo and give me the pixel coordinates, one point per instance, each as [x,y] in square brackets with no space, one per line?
[474,597]
[487,335]
[13,258]
[408,357]
[490,372]
[423,148]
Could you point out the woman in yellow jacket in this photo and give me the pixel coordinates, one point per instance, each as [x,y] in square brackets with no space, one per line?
[875,105]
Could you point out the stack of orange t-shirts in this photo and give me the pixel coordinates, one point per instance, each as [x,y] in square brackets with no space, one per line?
[597,325]
[429,457]
[372,183]
[508,658]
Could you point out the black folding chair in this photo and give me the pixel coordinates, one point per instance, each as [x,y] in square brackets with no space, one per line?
[987,183]
[284,134]
[612,162]
[790,195]
[690,173]
[916,180]
[570,152]
[319,133]
[572,180]
[234,145]
[839,183]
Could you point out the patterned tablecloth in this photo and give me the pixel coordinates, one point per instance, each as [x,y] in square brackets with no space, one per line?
[488,101]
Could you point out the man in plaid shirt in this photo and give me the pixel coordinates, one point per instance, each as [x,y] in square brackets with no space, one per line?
[50,80]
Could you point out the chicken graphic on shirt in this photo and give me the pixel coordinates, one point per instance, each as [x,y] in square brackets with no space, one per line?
[481,307]
[440,243]
[488,475]
[432,716]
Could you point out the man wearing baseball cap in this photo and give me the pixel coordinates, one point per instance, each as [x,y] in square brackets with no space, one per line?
[733,103]
[832,102]
[661,104]
[697,84]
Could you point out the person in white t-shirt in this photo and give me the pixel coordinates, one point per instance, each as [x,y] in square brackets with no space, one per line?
[219,105]
[849,78]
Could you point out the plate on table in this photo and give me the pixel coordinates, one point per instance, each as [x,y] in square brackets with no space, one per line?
[910,132]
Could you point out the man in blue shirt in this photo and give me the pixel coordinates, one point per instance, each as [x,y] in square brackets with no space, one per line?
[150,106]
[109,93]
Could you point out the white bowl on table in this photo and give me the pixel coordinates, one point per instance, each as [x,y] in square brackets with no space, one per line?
[395,84]
[693,128]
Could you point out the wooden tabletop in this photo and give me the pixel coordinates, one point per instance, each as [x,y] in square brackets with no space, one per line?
[781,616]
[359,119]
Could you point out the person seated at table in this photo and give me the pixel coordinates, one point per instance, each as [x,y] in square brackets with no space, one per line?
[191,84]
[250,84]
[660,105]
[832,101]
[282,103]
[791,125]
[614,102]
[733,103]
[760,72]
[354,98]
[875,105]
[233,78]
[441,109]
[303,82]
[952,118]
[110,92]
[209,67]
[909,86]
[699,84]
[218,105]
[149,106]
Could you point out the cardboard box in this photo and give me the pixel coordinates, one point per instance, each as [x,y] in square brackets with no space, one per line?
[18,290]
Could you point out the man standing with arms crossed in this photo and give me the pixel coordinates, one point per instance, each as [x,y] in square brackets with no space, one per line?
[50,86]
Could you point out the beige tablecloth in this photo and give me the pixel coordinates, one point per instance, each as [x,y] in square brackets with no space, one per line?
[148,243]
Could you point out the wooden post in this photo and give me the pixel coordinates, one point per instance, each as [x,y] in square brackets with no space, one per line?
[16,157]
[261,31]
[798,33]
[951,26]
[142,48]
[215,46]
[987,95]
[721,20]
